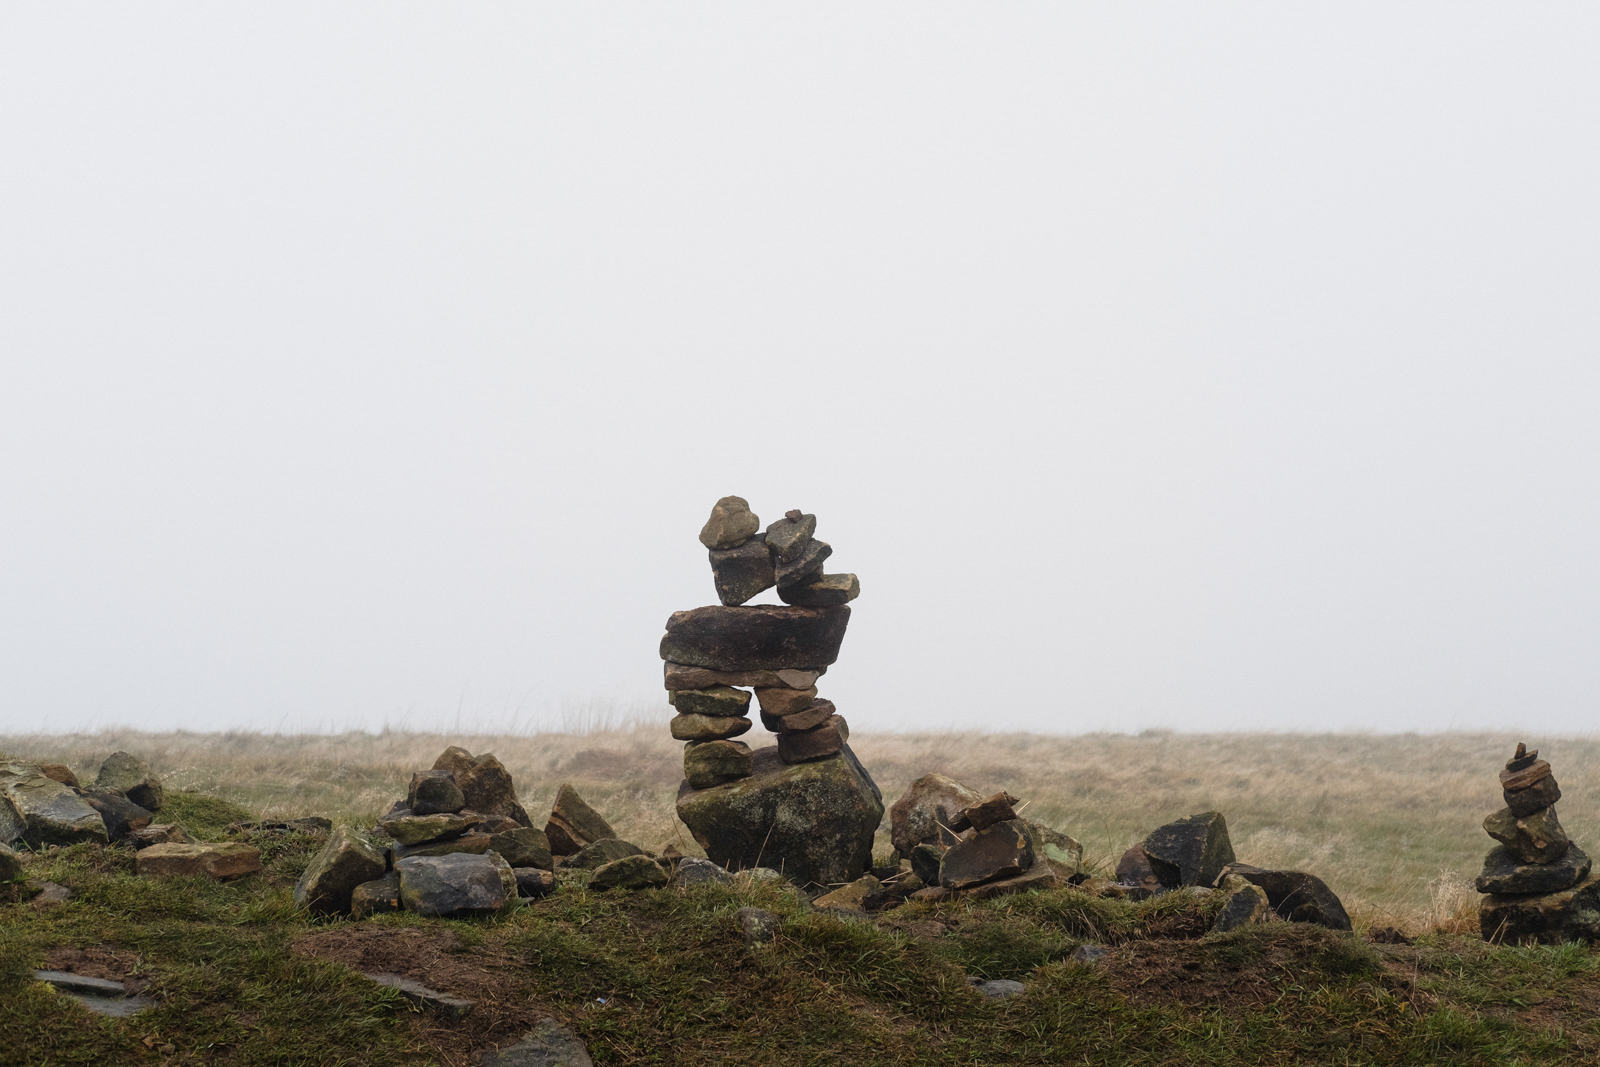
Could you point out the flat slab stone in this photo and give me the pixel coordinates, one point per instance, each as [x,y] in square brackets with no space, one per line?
[226,860]
[1000,851]
[683,676]
[41,811]
[1544,918]
[1504,874]
[79,983]
[548,1044]
[422,996]
[757,637]
[573,823]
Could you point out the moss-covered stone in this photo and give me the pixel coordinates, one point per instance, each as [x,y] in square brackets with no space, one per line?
[346,861]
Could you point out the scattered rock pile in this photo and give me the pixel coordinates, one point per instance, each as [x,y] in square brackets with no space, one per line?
[1538,885]
[45,804]
[950,839]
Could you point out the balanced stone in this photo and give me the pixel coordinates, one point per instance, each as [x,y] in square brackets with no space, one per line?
[1294,895]
[1538,838]
[487,786]
[710,763]
[731,523]
[817,743]
[1191,851]
[1001,851]
[415,829]
[573,823]
[985,813]
[129,775]
[682,676]
[1541,794]
[740,573]
[788,536]
[755,637]
[807,561]
[717,700]
[781,700]
[813,714]
[434,792]
[709,727]
[1503,874]
[821,591]
[813,821]
[924,812]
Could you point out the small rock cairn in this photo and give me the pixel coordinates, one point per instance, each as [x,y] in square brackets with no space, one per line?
[1536,880]
[715,655]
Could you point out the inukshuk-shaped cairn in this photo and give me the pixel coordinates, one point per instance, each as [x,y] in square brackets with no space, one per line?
[806,806]
[1537,880]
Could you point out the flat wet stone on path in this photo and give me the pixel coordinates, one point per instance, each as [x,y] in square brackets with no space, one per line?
[421,995]
[548,1044]
[97,994]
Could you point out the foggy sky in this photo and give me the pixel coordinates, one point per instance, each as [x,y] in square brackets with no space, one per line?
[1205,367]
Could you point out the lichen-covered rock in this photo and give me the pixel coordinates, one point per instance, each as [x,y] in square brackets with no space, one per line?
[1504,874]
[348,859]
[523,847]
[1535,838]
[708,727]
[926,809]
[10,865]
[758,637]
[852,896]
[713,700]
[471,844]
[573,823]
[1544,919]
[1294,895]
[434,792]
[230,859]
[457,884]
[39,811]
[731,524]
[375,897]
[1054,846]
[131,776]
[694,870]
[741,572]
[1246,903]
[999,851]
[629,872]
[757,925]
[710,763]
[417,829]
[813,821]
[820,742]
[1191,851]
[591,857]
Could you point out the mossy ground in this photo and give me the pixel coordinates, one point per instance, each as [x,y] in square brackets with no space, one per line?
[663,977]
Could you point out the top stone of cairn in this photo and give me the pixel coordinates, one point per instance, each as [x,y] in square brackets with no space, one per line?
[731,524]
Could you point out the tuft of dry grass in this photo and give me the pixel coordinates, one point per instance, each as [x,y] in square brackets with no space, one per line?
[1391,822]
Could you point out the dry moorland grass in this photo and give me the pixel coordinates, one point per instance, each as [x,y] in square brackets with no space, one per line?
[1392,823]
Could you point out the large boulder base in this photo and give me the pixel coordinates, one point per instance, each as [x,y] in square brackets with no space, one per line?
[458,884]
[345,862]
[40,811]
[1294,895]
[129,775]
[1504,874]
[761,637]
[813,821]
[1191,851]
[1543,919]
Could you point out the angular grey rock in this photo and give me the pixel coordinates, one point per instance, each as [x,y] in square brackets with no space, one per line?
[1246,903]
[1001,807]
[1294,895]
[757,637]
[681,676]
[693,870]
[757,925]
[458,884]
[813,821]
[42,812]
[327,884]
[926,809]
[1535,838]
[807,562]
[925,860]
[781,700]
[1191,851]
[573,823]
[423,997]
[591,857]
[68,982]
[523,847]
[131,776]
[806,717]
[718,701]
[818,743]
[708,727]
[120,815]
[629,872]
[740,573]
[417,829]
[1054,846]
[377,897]
[821,591]
[711,763]
[1545,918]
[10,865]
[788,536]
[485,784]
[434,792]
[1504,875]
[533,881]
[1541,794]
[1001,851]
[999,988]
[549,1044]
[1089,955]
[465,844]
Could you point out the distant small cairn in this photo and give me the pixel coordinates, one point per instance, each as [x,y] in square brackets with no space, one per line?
[1537,882]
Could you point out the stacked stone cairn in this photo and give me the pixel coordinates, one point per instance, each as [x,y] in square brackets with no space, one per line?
[1537,881]
[816,825]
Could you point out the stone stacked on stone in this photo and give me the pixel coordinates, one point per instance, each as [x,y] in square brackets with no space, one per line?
[715,656]
[44,804]
[1537,881]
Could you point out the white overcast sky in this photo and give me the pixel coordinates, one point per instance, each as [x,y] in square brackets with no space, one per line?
[1212,366]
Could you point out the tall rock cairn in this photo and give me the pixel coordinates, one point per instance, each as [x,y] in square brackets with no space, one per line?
[716,655]
[1537,880]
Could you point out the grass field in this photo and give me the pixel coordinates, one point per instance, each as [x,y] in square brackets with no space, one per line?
[1392,823]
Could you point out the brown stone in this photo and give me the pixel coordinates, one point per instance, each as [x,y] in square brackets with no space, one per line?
[788,537]
[807,561]
[1039,876]
[1541,794]
[1522,779]
[227,860]
[821,591]
[740,573]
[755,637]
[925,810]
[60,772]
[682,676]
[711,763]
[781,700]
[489,790]
[819,742]
[1134,869]
[985,813]
[731,523]
[812,715]
[1001,851]
[713,700]
[467,844]
[708,727]
[1545,918]
[574,823]
[851,896]
[1535,839]
[932,894]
